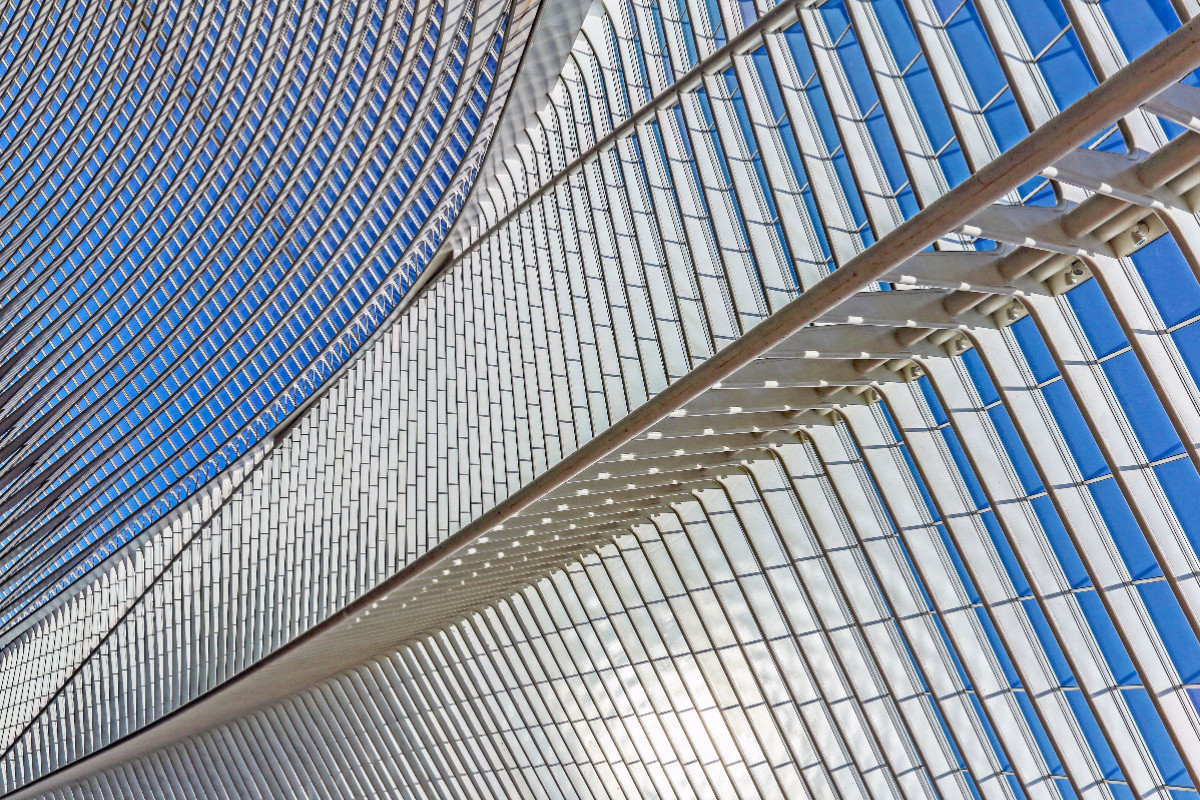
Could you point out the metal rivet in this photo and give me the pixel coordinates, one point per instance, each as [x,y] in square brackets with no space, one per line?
[1140,233]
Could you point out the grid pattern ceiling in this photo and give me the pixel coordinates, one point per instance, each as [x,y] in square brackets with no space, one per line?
[207,207]
[941,542]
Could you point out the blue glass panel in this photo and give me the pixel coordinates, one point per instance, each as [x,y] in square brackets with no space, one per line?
[1123,528]
[1169,280]
[1156,737]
